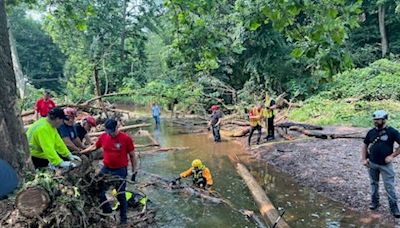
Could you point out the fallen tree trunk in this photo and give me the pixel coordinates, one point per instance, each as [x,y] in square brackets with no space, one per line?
[294,124]
[161,150]
[237,122]
[27,113]
[106,95]
[284,135]
[267,209]
[125,128]
[325,135]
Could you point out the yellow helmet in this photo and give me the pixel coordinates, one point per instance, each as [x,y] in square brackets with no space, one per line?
[196,163]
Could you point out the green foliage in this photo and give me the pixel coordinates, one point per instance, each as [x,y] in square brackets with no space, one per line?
[32,96]
[40,58]
[380,80]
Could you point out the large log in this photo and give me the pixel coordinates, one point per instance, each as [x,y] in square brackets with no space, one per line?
[320,135]
[125,128]
[107,95]
[267,209]
[162,150]
[31,202]
[27,113]
[294,124]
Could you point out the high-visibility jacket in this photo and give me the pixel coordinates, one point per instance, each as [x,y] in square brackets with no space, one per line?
[255,116]
[268,113]
[131,198]
[202,172]
[46,143]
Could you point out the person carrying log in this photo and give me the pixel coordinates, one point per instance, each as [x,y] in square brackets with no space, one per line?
[269,115]
[46,145]
[215,122]
[255,116]
[68,133]
[83,128]
[377,155]
[44,105]
[201,175]
[117,146]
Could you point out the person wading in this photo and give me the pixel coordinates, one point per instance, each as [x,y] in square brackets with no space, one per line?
[269,115]
[215,122]
[255,116]
[117,146]
[44,105]
[201,175]
[45,143]
[156,113]
[377,154]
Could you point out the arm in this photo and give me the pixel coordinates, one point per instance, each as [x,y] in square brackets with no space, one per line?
[89,149]
[207,175]
[48,149]
[364,152]
[186,173]
[70,144]
[134,161]
[61,148]
[396,153]
[88,139]
[77,141]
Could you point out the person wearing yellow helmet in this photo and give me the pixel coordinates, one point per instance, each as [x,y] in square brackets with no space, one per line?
[201,174]
[132,198]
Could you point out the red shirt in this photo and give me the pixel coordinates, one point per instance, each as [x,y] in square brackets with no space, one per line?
[115,150]
[43,107]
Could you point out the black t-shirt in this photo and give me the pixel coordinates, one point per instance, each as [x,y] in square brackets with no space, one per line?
[215,117]
[381,143]
[80,131]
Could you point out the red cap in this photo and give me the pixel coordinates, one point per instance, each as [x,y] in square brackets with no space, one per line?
[91,121]
[70,112]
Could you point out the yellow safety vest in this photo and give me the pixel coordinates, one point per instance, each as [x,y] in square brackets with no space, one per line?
[255,121]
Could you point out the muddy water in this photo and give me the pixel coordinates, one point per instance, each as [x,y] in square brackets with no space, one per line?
[304,208]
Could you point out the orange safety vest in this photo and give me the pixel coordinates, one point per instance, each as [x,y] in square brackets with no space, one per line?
[255,117]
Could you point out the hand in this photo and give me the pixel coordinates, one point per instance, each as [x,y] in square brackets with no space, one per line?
[67,164]
[365,162]
[74,158]
[133,178]
[174,182]
[389,159]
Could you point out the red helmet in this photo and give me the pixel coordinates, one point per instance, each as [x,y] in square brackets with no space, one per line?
[70,112]
[91,121]
[214,107]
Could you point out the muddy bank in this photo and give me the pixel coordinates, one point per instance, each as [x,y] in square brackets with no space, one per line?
[331,167]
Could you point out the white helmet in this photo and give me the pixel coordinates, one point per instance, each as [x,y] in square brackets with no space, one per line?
[380,114]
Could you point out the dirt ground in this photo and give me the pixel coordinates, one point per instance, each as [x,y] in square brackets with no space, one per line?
[331,167]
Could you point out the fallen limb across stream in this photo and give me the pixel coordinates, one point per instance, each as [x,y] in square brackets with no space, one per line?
[210,196]
[161,150]
[125,128]
[321,135]
[267,209]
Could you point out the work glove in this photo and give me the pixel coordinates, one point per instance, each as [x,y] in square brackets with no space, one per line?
[133,178]
[74,158]
[67,164]
[174,182]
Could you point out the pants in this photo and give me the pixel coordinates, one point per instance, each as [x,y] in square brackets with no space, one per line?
[216,134]
[388,176]
[157,120]
[253,128]
[271,128]
[120,187]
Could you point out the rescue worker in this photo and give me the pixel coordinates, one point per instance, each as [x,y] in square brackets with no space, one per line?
[133,199]
[117,146]
[215,122]
[377,155]
[45,143]
[83,128]
[68,133]
[200,173]
[269,115]
[44,105]
[255,116]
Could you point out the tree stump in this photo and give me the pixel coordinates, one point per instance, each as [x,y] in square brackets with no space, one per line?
[31,202]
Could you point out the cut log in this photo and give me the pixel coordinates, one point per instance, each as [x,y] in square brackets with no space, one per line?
[161,150]
[125,128]
[146,146]
[267,209]
[31,202]
[148,135]
[27,113]
[320,135]
[107,95]
[284,135]
[305,126]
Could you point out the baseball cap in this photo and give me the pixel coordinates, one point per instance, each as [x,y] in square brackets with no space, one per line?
[8,179]
[110,125]
[58,113]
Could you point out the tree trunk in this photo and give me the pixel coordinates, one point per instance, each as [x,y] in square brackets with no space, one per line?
[14,145]
[382,30]
[97,84]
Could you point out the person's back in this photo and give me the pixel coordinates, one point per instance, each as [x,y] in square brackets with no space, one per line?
[80,131]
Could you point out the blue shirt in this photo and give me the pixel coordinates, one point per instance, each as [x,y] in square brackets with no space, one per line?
[67,131]
[155,110]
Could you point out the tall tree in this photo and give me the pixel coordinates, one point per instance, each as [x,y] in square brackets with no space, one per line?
[14,145]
